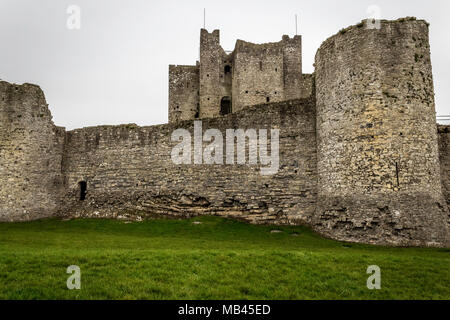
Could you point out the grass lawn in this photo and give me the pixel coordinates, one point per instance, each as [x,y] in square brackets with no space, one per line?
[217,259]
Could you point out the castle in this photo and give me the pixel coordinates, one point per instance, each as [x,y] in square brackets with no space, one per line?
[361,156]
[222,83]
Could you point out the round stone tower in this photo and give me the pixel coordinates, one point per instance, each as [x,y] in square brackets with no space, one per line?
[378,163]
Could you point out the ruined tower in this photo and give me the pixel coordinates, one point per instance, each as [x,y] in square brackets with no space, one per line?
[31,149]
[378,162]
[225,82]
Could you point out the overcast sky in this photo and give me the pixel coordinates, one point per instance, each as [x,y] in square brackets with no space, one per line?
[114,69]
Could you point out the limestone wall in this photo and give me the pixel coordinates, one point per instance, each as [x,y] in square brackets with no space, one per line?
[378,165]
[184,93]
[444,156]
[258,74]
[292,67]
[307,86]
[30,154]
[128,170]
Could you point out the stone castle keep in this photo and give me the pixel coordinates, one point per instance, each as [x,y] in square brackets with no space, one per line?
[223,83]
[361,156]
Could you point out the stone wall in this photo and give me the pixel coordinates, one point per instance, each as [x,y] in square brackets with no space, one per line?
[444,156]
[307,86]
[30,154]
[378,165]
[129,171]
[183,93]
[292,67]
[258,74]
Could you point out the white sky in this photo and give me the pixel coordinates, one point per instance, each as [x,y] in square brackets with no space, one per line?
[115,68]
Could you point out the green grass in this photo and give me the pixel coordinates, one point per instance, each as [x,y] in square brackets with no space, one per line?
[218,259]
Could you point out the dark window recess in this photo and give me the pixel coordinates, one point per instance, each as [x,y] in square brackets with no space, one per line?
[260,65]
[197,112]
[83,189]
[276,69]
[227,69]
[225,106]
[267,99]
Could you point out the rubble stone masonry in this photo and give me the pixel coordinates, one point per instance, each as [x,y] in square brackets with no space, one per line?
[129,171]
[378,159]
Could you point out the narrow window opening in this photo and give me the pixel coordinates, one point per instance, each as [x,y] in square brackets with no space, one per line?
[83,190]
[267,99]
[260,65]
[276,69]
[225,106]
[227,69]
[396,173]
[197,112]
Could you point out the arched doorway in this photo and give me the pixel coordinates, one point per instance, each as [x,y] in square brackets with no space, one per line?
[225,106]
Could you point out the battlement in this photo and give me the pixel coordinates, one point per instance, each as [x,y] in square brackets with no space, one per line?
[242,45]
[214,34]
